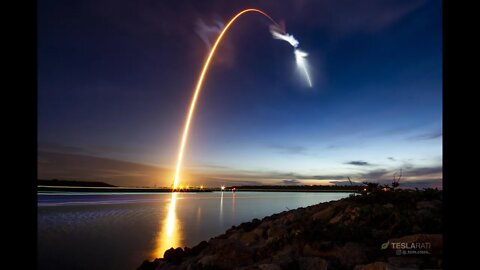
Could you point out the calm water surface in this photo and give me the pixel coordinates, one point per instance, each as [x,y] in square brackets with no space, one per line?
[119,231]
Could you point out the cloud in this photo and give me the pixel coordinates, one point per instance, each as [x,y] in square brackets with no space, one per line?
[58,147]
[291,182]
[92,150]
[268,176]
[427,136]
[121,173]
[288,149]
[216,181]
[358,163]
[212,166]
[391,158]
[410,174]
[344,183]
[377,175]
[427,183]
[90,168]
[208,32]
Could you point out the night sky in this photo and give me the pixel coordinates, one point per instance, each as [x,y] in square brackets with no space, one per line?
[115,79]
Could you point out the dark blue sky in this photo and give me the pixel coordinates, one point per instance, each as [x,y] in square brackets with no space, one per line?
[115,79]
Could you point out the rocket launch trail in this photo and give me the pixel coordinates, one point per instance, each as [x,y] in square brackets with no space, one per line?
[201,78]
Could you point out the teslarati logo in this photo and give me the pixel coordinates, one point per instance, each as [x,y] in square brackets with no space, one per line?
[405,248]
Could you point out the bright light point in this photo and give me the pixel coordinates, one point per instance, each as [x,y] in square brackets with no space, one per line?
[300,58]
[201,187]
[222,187]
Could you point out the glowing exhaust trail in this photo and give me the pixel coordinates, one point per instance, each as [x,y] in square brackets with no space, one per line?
[301,63]
[300,56]
[199,85]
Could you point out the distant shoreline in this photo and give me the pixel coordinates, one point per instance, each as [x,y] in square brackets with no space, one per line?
[56,185]
[42,188]
[111,189]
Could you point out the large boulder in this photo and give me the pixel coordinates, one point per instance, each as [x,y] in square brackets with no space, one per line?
[380,266]
[324,214]
[312,263]
[227,254]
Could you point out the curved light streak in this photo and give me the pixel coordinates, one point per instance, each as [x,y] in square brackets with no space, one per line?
[198,88]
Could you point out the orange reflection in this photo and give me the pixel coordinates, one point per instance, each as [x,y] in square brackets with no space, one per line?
[233,203]
[198,216]
[221,208]
[169,235]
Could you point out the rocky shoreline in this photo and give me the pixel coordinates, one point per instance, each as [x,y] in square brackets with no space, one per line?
[395,230]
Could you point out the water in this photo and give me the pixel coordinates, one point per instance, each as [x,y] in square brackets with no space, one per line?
[120,231]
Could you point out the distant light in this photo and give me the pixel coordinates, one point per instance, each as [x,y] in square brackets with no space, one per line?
[222,187]
[201,187]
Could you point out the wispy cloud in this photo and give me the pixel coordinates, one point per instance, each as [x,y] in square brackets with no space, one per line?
[212,166]
[62,148]
[358,163]
[427,136]
[94,150]
[409,174]
[291,182]
[83,167]
[289,149]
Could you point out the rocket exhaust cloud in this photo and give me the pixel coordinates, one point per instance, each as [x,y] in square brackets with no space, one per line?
[300,56]
[203,30]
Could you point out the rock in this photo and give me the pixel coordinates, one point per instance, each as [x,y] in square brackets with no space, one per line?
[265,224]
[336,218]
[227,254]
[174,255]
[292,216]
[196,249]
[285,256]
[312,263]
[269,266]
[324,236]
[348,255]
[405,261]
[236,235]
[388,206]
[352,254]
[248,226]
[428,204]
[380,266]
[249,238]
[324,214]
[276,232]
[208,260]
[147,265]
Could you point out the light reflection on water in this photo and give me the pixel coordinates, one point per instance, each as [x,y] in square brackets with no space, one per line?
[170,232]
[119,231]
